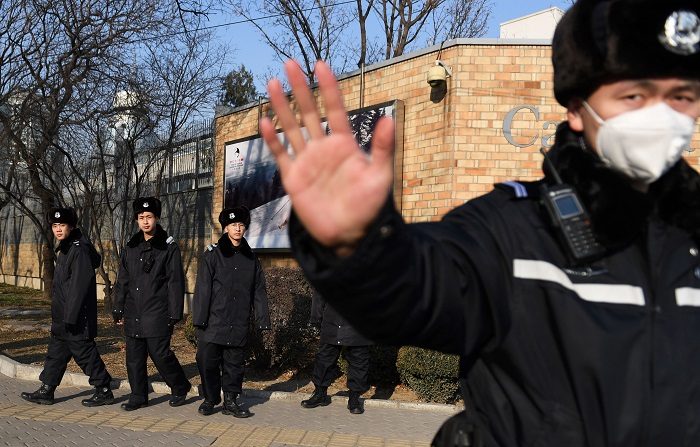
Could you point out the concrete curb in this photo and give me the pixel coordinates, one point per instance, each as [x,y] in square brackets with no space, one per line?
[17,370]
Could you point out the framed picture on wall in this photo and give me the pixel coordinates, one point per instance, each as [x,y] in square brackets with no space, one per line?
[251,176]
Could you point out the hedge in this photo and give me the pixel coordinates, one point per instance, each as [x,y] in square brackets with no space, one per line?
[290,344]
[432,375]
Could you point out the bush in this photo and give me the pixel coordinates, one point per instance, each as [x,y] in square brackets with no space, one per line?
[291,343]
[433,376]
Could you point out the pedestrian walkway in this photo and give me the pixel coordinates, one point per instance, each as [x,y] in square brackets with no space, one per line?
[276,422]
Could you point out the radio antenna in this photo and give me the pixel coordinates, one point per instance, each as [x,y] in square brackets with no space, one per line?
[551,167]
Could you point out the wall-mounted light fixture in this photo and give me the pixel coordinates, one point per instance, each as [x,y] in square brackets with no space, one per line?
[438,74]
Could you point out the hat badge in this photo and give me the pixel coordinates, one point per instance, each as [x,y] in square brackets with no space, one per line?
[231,216]
[57,215]
[145,204]
[681,33]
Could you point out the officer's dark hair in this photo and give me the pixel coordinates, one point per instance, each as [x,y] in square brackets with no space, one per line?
[601,41]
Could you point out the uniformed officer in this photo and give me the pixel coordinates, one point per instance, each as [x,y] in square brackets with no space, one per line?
[337,335]
[149,302]
[230,283]
[574,301]
[73,314]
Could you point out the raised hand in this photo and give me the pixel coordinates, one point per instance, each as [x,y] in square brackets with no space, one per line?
[335,188]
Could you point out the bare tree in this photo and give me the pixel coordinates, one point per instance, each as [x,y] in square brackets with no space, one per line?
[309,30]
[403,21]
[363,11]
[459,18]
[305,30]
[131,144]
[61,63]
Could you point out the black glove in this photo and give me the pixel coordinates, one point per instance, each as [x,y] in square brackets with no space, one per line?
[200,325]
[117,315]
[72,328]
[172,322]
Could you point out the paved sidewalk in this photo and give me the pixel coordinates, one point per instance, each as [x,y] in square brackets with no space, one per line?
[276,422]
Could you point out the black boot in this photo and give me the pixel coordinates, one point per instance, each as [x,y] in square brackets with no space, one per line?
[354,404]
[231,406]
[43,396]
[179,399]
[319,398]
[103,396]
[176,401]
[134,404]
[206,408]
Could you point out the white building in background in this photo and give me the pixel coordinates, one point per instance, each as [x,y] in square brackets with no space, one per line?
[538,25]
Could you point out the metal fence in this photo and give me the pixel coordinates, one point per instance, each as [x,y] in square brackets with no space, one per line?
[191,161]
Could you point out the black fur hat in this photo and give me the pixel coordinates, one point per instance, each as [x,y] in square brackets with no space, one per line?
[62,215]
[600,41]
[143,204]
[234,214]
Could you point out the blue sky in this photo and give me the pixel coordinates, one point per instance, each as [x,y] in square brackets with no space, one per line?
[249,49]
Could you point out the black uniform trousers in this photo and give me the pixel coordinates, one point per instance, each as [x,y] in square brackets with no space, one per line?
[86,356]
[326,366]
[220,366]
[158,348]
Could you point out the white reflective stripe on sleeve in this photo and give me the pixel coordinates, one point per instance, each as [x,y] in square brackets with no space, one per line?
[688,296]
[598,293]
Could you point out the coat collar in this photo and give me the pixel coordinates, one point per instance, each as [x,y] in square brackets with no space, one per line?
[65,244]
[227,248]
[619,213]
[159,240]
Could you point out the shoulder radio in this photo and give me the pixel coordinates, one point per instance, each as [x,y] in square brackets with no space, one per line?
[570,218]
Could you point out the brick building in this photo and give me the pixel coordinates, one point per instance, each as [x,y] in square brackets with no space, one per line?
[485,126]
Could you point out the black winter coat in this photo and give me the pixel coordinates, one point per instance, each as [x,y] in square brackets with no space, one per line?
[606,354]
[150,288]
[230,283]
[74,293]
[335,329]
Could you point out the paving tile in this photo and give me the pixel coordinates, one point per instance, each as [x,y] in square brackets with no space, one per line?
[276,423]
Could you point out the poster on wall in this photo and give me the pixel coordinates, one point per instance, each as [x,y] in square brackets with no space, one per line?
[251,177]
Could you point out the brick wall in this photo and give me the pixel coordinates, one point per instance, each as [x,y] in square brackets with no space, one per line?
[454,147]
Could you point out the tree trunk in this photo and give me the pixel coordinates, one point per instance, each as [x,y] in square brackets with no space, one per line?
[47,268]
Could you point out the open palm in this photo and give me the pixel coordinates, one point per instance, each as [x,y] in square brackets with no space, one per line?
[335,188]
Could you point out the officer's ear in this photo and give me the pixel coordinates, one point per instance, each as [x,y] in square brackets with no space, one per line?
[573,115]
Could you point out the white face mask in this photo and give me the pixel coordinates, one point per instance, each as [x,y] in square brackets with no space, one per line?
[643,144]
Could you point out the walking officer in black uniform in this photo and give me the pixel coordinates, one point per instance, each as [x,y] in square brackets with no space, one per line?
[73,314]
[574,300]
[337,335]
[230,284]
[149,302]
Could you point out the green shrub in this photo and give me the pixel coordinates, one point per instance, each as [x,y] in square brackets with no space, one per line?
[432,375]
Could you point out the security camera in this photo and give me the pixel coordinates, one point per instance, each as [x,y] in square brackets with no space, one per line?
[438,74]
